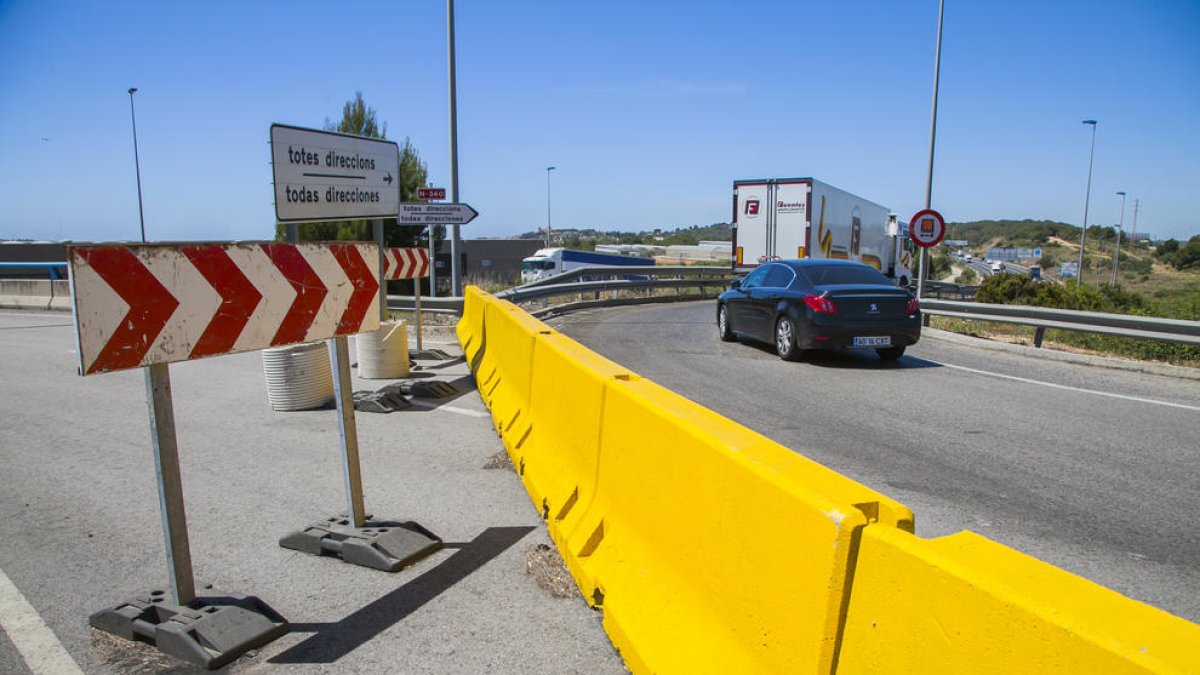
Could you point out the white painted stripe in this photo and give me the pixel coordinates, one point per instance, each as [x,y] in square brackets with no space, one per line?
[337,296]
[198,303]
[449,409]
[277,296]
[1094,392]
[38,645]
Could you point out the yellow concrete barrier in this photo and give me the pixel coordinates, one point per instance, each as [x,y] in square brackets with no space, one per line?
[507,365]
[711,548]
[964,603]
[557,457]
[469,328]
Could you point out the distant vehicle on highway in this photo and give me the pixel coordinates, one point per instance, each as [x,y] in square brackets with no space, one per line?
[820,304]
[548,262]
[998,267]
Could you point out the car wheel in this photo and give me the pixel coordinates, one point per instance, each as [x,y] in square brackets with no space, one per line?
[890,353]
[785,339]
[723,327]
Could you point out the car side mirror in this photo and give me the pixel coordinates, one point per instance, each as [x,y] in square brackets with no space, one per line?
[735,284]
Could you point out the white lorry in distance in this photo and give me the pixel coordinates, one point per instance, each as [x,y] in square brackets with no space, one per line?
[548,262]
[778,218]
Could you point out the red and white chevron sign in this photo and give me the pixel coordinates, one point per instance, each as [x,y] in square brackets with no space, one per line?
[139,305]
[405,263]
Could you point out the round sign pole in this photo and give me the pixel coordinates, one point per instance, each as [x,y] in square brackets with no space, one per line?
[926,229]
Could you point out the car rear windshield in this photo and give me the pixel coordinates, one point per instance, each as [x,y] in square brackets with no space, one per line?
[828,275]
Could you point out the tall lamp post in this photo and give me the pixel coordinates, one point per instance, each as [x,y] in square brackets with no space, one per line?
[937,66]
[136,164]
[455,233]
[1120,228]
[1086,199]
[548,170]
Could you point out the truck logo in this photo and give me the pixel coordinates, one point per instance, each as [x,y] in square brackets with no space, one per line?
[872,308]
[751,207]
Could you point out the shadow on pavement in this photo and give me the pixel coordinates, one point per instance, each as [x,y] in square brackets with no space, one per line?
[332,641]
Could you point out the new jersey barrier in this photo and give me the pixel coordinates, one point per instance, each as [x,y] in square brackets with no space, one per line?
[963,603]
[710,548]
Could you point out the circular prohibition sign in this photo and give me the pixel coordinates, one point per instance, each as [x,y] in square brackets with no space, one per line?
[927,228]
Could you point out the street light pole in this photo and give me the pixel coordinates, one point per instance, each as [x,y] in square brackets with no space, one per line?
[1120,228]
[937,66]
[136,164]
[548,170]
[1086,199]
[455,236]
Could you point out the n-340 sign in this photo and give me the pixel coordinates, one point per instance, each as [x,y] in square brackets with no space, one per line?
[321,175]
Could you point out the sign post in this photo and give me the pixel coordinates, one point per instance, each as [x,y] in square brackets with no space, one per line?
[926,229]
[146,306]
[323,176]
[170,485]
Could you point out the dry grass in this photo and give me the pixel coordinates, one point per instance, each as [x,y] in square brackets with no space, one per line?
[545,565]
[129,656]
[500,460]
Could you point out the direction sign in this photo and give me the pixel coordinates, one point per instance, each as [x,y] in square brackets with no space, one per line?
[436,214]
[142,305]
[326,176]
[405,263]
[926,228]
[428,194]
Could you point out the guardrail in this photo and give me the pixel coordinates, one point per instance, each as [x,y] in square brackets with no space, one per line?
[659,271]
[1121,325]
[52,291]
[53,268]
[598,279]
[943,289]
[621,279]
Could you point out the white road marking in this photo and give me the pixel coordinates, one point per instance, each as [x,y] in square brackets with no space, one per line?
[450,409]
[1094,392]
[38,645]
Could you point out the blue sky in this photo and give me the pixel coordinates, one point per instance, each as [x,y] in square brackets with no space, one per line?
[649,111]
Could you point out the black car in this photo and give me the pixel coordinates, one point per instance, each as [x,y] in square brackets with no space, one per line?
[820,304]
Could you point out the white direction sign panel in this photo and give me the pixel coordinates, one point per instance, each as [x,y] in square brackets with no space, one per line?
[436,214]
[321,175]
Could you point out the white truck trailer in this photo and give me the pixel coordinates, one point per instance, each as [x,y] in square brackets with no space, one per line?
[548,262]
[776,218]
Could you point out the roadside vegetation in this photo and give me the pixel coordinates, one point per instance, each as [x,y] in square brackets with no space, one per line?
[588,239]
[1154,279]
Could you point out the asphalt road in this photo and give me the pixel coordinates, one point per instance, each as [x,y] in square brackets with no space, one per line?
[1092,469]
[80,524]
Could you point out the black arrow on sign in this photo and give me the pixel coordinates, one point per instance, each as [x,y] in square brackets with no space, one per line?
[388,179]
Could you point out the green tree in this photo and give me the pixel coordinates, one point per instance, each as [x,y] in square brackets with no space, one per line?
[1167,247]
[358,120]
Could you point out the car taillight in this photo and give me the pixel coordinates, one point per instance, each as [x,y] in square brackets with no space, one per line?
[913,306]
[820,304]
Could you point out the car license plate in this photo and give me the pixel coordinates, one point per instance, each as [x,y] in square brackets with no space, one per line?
[880,341]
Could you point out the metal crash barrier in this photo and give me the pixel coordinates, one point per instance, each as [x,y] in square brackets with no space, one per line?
[711,548]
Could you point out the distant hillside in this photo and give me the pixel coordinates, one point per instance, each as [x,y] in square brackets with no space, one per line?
[1011,232]
[588,238]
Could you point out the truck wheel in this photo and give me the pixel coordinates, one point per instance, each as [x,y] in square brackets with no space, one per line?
[785,340]
[723,327]
[890,353]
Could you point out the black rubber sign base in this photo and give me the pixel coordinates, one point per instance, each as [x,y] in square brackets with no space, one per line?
[382,545]
[211,631]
